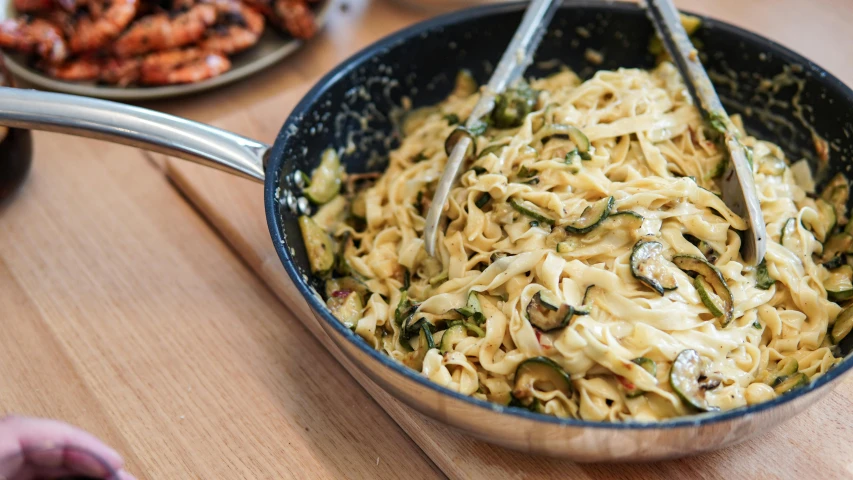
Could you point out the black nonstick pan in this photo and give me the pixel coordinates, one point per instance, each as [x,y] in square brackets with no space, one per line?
[354,103]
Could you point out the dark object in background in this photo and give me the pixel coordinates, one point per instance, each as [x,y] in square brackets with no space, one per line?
[16,150]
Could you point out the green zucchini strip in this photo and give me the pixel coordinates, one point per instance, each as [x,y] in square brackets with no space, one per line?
[540,374]
[711,276]
[839,284]
[842,326]
[531,210]
[325,179]
[687,378]
[318,245]
[649,266]
[591,217]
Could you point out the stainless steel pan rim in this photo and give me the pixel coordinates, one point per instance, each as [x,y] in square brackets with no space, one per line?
[363,57]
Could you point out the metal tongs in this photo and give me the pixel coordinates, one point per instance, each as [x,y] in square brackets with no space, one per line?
[737,182]
[512,65]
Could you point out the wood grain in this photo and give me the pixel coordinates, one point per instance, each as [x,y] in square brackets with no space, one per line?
[812,445]
[122,312]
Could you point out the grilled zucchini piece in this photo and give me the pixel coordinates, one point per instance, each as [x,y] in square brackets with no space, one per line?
[348,283]
[529,209]
[318,245]
[843,325]
[581,141]
[836,192]
[513,105]
[325,179]
[546,313]
[711,277]
[451,337]
[540,374]
[690,381]
[792,382]
[591,217]
[839,285]
[472,308]
[837,245]
[346,306]
[649,266]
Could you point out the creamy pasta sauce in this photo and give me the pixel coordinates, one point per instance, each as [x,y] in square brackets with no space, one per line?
[652,153]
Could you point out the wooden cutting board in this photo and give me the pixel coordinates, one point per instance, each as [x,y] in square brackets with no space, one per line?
[816,444]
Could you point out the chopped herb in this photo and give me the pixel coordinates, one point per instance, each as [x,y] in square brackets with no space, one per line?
[523,172]
[452,118]
[483,200]
[756,325]
[570,157]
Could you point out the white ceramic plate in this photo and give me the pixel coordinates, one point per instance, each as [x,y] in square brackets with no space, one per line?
[271,48]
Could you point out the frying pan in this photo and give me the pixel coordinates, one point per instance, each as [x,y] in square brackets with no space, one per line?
[355,105]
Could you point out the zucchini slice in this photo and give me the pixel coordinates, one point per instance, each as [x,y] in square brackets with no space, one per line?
[496,149]
[318,245]
[529,209]
[792,382]
[472,308]
[325,179]
[540,374]
[466,85]
[763,280]
[591,217]
[843,325]
[346,306]
[546,313]
[625,221]
[822,223]
[571,132]
[784,369]
[839,285]
[837,192]
[688,378]
[713,302]
[837,245]
[649,266]
[451,337]
[349,284]
[788,236]
[513,105]
[713,278]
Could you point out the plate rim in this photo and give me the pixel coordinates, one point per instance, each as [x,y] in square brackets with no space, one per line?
[37,79]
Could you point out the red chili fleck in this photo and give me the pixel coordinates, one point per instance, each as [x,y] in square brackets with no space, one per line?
[341,293]
[625,383]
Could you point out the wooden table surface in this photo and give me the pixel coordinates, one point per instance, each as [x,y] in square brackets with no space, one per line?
[141,300]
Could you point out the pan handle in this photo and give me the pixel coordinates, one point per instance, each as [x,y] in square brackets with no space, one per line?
[134,126]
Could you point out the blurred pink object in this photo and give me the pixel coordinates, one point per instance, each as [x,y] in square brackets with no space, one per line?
[34,448]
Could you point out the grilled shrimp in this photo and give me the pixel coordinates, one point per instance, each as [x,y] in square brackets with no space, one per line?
[237,28]
[115,71]
[33,5]
[91,32]
[182,66]
[30,35]
[162,32]
[296,18]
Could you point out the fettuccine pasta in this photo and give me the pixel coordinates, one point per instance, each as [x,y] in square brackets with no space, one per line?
[586,267]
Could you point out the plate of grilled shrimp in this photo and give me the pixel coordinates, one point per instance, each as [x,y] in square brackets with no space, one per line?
[146,49]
